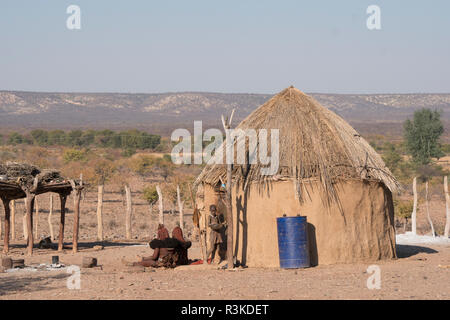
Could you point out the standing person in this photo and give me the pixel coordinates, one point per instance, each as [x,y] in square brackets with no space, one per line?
[215,239]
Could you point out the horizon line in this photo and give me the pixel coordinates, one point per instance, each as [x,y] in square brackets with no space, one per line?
[216,92]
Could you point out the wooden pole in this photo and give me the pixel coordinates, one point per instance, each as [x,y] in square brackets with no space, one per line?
[24,224]
[228,202]
[6,205]
[428,209]
[180,208]
[160,204]
[13,219]
[414,213]
[36,226]
[100,213]
[202,228]
[63,199]
[128,218]
[76,219]
[50,213]
[29,202]
[447,209]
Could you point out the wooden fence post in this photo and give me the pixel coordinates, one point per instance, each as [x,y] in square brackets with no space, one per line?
[13,219]
[160,203]
[49,219]
[447,209]
[128,218]
[24,224]
[229,218]
[63,199]
[36,226]
[76,219]
[29,204]
[414,213]
[6,205]
[180,208]
[428,209]
[100,213]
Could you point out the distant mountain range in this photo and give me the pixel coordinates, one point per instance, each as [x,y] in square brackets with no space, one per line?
[161,113]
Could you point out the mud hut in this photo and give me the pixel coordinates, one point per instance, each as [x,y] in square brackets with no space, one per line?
[326,172]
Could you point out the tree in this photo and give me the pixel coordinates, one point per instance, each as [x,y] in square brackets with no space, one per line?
[40,137]
[74,138]
[15,138]
[73,155]
[56,137]
[392,158]
[422,136]
[403,210]
[151,196]
[104,170]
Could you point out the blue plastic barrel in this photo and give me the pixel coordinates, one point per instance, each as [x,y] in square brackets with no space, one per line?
[293,242]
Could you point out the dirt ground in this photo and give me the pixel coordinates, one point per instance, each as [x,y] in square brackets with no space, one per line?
[419,273]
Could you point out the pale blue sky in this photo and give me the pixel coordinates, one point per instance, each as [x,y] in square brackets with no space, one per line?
[225,46]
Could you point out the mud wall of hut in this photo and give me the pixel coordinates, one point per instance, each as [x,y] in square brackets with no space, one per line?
[362,231]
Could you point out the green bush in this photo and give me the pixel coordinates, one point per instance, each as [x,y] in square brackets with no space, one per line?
[403,208]
[73,155]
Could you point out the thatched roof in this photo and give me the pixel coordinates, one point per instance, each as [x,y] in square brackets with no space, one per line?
[12,171]
[315,143]
[16,177]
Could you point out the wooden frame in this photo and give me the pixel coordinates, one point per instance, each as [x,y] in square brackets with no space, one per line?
[18,190]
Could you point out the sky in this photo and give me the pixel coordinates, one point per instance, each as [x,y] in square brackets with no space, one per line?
[248,46]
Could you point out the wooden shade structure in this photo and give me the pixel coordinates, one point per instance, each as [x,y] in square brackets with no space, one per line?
[28,186]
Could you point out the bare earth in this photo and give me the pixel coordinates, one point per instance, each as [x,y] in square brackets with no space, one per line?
[421,272]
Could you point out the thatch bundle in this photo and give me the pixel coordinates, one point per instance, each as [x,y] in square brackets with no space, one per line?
[314,143]
[50,175]
[13,171]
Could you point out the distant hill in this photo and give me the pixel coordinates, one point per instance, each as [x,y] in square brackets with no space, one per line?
[161,113]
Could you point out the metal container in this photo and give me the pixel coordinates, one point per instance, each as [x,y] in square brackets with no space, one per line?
[293,242]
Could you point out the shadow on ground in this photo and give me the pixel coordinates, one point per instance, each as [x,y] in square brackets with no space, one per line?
[406,251]
[81,245]
[16,284]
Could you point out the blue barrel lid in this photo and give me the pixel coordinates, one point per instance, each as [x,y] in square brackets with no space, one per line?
[292,217]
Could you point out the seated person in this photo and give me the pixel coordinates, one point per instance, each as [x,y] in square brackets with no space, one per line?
[182,249]
[166,251]
[163,233]
[158,253]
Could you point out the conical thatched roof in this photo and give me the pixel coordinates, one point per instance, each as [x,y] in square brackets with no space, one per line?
[314,143]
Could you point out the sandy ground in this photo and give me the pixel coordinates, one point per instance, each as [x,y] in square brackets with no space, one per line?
[419,273]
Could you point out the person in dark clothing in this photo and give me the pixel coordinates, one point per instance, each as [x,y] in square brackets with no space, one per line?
[159,253]
[215,239]
[163,233]
[182,249]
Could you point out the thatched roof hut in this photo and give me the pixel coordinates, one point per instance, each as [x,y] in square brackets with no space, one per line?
[327,172]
